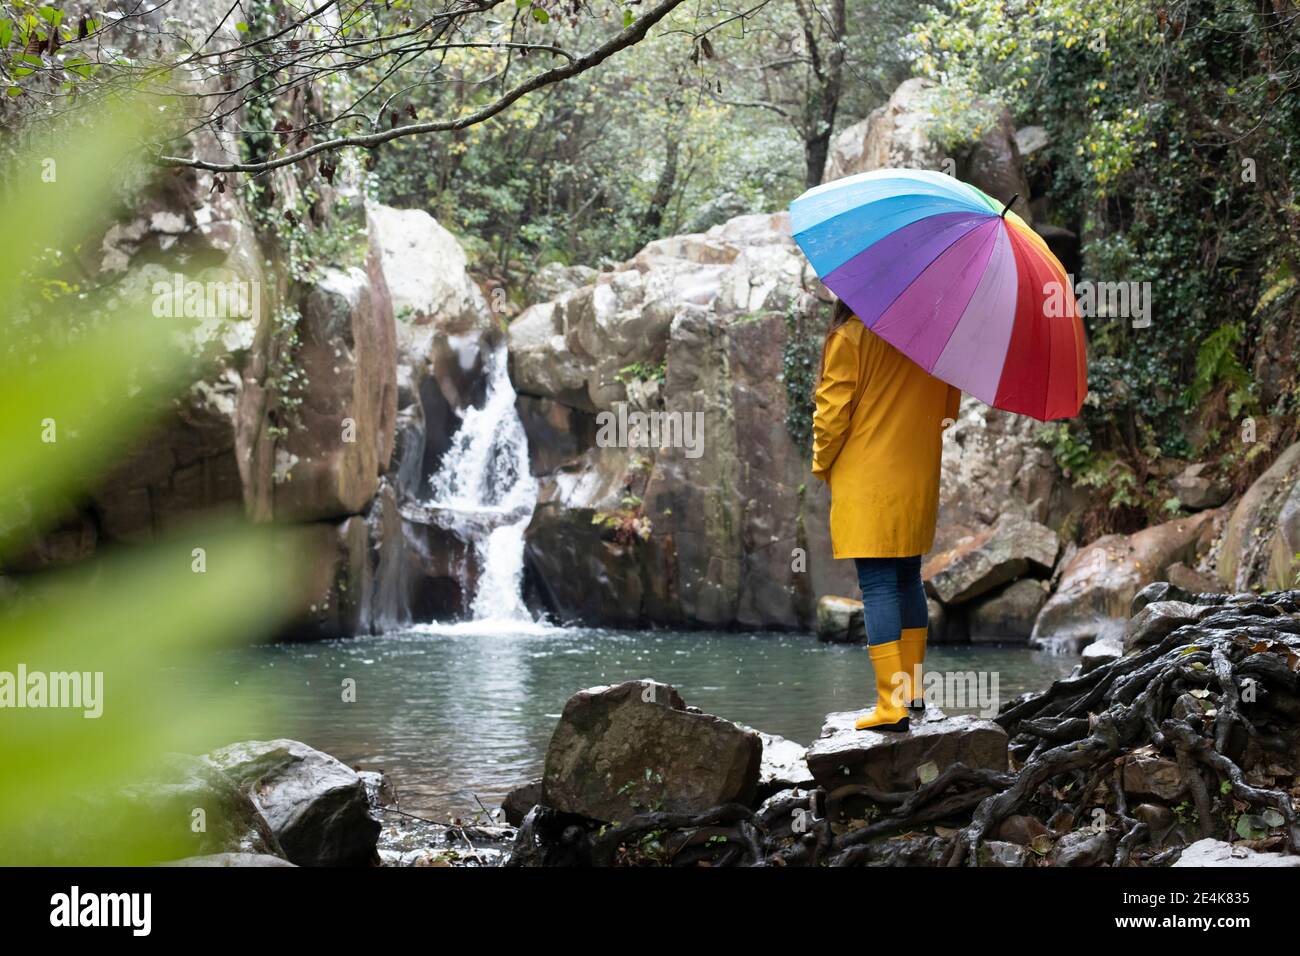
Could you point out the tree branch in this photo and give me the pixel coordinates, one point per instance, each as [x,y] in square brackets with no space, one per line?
[629,36]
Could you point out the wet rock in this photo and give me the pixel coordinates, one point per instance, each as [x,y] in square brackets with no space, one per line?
[338,584]
[1262,536]
[1210,852]
[380,790]
[1106,648]
[1098,586]
[894,135]
[890,761]
[1086,847]
[783,767]
[999,854]
[995,556]
[839,620]
[1196,489]
[1160,591]
[316,805]
[1145,774]
[238,860]
[1007,616]
[520,800]
[634,747]
[1157,620]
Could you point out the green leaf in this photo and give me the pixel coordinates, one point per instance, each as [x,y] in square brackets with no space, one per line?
[241,27]
[628,18]
[540,15]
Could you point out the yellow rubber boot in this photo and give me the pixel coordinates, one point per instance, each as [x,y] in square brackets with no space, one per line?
[912,651]
[889,712]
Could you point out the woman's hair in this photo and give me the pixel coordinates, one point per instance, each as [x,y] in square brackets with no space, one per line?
[840,314]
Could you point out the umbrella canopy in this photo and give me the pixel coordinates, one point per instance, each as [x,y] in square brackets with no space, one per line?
[958,284]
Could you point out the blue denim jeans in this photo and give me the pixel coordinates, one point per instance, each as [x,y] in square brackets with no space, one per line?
[893,597]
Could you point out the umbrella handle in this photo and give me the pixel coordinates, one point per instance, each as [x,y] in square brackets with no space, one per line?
[1008,205]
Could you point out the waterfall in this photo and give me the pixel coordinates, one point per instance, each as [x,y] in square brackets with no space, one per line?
[484,492]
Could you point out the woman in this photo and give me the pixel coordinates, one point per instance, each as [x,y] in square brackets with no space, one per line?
[877,440]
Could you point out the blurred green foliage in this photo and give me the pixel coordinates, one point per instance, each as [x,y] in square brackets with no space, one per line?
[82,374]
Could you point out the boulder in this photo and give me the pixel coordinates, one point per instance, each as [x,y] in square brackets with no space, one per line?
[426,270]
[191,463]
[1210,852]
[380,791]
[898,134]
[634,748]
[1086,847]
[889,761]
[1196,488]
[1262,536]
[735,531]
[520,800]
[1099,583]
[996,853]
[994,464]
[1157,620]
[839,620]
[554,279]
[1144,773]
[1106,648]
[316,805]
[783,766]
[1159,591]
[330,459]
[182,785]
[444,326]
[339,582]
[993,557]
[1007,616]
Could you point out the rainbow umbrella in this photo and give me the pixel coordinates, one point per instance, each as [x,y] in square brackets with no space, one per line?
[954,281]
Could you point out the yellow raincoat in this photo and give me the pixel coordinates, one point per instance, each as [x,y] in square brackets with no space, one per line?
[877,439]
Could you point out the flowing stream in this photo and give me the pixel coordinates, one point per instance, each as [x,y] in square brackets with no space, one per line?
[484,492]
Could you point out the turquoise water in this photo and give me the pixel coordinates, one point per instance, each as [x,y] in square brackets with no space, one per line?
[460,715]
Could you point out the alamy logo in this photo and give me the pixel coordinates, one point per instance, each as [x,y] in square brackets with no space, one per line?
[1104,300]
[72,689]
[651,430]
[213,299]
[103,909]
